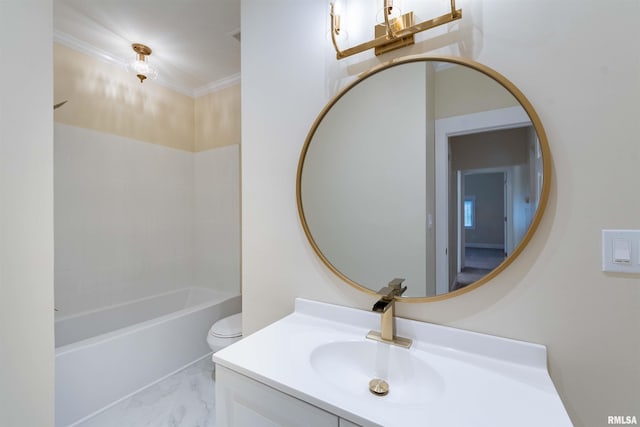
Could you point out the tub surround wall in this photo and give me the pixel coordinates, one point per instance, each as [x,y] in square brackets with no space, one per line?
[216,238]
[134,219]
[583,82]
[123,218]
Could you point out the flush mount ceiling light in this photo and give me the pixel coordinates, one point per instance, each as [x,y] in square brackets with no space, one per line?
[394,33]
[140,66]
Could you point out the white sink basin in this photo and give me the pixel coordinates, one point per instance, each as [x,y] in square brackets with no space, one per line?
[350,365]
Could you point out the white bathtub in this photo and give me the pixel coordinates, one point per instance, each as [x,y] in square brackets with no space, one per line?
[105,355]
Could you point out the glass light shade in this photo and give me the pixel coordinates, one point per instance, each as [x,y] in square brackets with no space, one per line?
[142,68]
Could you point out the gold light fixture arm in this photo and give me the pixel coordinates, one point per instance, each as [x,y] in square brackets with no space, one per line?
[335,29]
[391,39]
[388,6]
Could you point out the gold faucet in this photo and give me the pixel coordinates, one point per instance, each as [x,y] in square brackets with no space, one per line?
[386,306]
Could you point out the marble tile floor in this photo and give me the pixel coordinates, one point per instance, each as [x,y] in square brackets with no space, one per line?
[185,399]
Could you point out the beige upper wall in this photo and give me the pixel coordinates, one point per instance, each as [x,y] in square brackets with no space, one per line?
[107,98]
[217,119]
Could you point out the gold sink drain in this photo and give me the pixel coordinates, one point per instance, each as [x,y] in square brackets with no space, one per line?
[378,387]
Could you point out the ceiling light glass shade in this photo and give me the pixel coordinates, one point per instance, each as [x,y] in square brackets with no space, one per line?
[143,70]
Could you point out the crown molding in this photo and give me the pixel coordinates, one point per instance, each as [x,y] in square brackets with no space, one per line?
[104,56]
[217,85]
[87,49]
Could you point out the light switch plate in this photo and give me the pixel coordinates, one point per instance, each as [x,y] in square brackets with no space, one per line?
[612,243]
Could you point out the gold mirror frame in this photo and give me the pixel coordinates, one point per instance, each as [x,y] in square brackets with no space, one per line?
[546,168]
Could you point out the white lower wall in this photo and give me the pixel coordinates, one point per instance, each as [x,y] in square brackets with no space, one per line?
[217,218]
[123,219]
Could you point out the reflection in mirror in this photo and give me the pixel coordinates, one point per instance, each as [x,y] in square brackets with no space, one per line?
[427,170]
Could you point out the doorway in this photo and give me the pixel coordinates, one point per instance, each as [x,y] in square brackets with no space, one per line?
[482,220]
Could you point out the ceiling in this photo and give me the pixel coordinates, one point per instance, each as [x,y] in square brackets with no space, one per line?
[193,43]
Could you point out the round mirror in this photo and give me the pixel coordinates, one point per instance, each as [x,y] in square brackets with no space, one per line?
[435,170]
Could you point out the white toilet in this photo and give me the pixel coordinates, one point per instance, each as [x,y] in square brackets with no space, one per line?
[225,331]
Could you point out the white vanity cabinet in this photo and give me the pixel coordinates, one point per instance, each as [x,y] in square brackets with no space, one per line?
[242,402]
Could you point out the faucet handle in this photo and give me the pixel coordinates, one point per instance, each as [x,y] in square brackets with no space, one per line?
[396,284]
[394,288]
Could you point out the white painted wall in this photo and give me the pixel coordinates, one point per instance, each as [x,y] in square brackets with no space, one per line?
[580,70]
[26,214]
[217,218]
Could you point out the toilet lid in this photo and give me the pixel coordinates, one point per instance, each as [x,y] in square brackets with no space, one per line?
[228,327]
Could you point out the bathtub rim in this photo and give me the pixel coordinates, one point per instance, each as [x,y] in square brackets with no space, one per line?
[127,330]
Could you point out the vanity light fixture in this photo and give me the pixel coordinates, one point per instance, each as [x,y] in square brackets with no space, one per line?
[140,66]
[394,33]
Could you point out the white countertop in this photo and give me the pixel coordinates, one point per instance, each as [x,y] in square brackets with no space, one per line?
[470,379]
